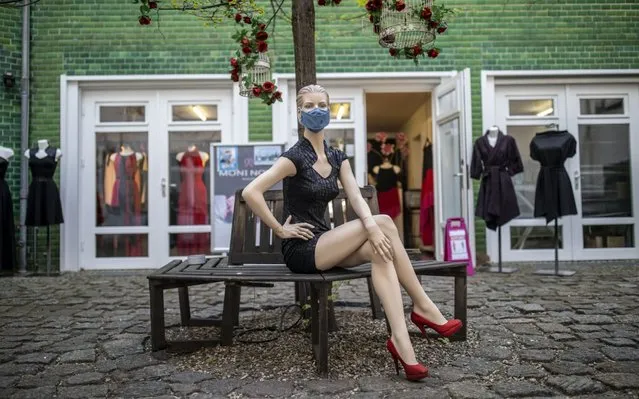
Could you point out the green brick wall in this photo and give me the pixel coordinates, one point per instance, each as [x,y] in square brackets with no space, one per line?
[104,38]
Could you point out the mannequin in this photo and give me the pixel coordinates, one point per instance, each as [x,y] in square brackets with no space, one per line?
[493,133]
[193,148]
[310,170]
[7,224]
[41,153]
[125,151]
[387,179]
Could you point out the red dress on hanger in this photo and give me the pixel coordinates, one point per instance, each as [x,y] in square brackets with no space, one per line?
[192,205]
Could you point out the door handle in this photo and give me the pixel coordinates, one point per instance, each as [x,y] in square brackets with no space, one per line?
[163,186]
[459,174]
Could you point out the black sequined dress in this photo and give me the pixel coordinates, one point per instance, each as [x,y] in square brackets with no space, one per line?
[306,197]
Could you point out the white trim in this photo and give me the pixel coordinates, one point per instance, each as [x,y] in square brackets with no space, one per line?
[561,72]
[128,78]
[371,75]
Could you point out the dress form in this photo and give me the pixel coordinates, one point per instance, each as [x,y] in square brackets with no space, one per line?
[5,152]
[192,148]
[126,150]
[41,153]
[493,132]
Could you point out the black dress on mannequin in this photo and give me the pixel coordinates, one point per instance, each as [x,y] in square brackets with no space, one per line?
[554,195]
[495,166]
[7,224]
[43,202]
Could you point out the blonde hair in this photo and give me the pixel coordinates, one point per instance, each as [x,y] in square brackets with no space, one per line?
[310,89]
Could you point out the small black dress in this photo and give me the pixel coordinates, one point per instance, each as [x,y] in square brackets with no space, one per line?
[43,202]
[306,197]
[7,223]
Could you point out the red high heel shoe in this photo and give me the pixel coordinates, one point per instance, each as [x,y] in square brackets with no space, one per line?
[414,372]
[446,330]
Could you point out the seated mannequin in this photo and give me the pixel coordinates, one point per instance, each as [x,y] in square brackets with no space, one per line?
[42,146]
[126,150]
[5,153]
[193,148]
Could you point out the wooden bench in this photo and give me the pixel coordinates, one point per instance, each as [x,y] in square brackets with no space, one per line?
[255,258]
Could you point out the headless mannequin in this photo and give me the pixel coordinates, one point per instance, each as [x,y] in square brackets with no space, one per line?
[5,153]
[203,155]
[493,132]
[351,244]
[126,150]
[387,165]
[42,146]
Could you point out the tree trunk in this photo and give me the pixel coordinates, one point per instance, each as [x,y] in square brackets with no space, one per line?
[304,46]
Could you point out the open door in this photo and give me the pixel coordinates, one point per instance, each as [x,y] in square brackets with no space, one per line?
[452,144]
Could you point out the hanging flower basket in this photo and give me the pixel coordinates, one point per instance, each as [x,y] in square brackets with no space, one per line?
[255,76]
[401,26]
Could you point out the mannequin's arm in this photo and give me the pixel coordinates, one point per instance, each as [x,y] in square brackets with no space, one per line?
[27,153]
[58,154]
[358,203]
[253,193]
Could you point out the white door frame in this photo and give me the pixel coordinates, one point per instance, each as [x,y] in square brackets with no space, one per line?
[536,78]
[72,89]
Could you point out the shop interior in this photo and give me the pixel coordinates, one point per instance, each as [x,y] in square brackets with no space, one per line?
[399,154]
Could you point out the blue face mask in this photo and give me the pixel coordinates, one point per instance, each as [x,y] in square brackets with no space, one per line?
[316,119]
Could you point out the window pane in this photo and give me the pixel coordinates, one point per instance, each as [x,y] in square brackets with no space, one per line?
[619,236]
[451,194]
[534,237]
[344,139]
[194,112]
[340,111]
[121,179]
[604,157]
[184,244]
[447,102]
[540,107]
[525,182]
[601,106]
[121,245]
[116,113]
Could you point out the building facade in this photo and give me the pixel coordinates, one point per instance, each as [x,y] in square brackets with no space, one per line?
[101,81]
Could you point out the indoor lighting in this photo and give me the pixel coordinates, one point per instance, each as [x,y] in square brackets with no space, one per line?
[340,112]
[198,111]
[546,112]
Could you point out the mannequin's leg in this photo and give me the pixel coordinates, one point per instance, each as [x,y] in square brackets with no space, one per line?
[350,241]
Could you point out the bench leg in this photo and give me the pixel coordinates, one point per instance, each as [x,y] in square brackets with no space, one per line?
[460,307]
[376,305]
[230,313]
[156,296]
[185,307]
[319,325]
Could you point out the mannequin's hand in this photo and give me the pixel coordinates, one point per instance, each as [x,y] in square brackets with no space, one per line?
[380,243]
[295,230]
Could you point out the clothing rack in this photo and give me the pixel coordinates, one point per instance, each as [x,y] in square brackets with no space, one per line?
[556,271]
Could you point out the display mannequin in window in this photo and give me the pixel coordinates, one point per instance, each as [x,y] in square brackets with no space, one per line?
[193,206]
[7,222]
[387,179]
[44,207]
[495,160]
[310,171]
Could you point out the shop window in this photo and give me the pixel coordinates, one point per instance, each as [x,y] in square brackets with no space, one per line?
[609,236]
[532,107]
[341,111]
[121,245]
[194,113]
[534,237]
[122,113]
[601,106]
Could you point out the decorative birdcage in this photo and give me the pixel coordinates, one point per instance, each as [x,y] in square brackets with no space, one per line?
[257,74]
[401,29]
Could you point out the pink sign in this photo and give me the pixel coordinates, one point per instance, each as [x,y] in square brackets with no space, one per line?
[456,243]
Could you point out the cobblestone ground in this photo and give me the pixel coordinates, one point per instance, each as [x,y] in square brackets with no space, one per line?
[86,335]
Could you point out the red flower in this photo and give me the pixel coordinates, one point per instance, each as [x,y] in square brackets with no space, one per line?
[400,137]
[246,50]
[417,50]
[400,5]
[392,52]
[144,20]
[387,149]
[433,24]
[262,26]
[370,18]
[336,2]
[371,5]
[235,77]
[433,53]
[321,2]
[427,13]
[238,18]
[262,46]
[257,91]
[268,86]
[442,29]
[247,20]
[277,95]
[261,35]
[245,42]
[381,137]
[153,4]
[234,62]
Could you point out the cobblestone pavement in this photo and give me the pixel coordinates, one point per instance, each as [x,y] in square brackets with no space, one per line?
[85,335]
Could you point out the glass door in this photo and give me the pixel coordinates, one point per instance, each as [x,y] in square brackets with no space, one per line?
[601,118]
[117,148]
[451,142]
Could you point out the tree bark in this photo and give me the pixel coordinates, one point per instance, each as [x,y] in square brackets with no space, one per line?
[304,46]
